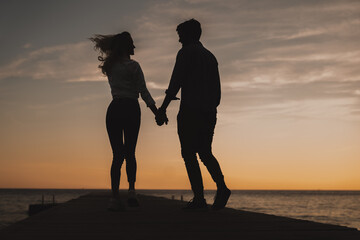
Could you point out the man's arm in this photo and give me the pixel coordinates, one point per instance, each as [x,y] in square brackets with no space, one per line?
[175,82]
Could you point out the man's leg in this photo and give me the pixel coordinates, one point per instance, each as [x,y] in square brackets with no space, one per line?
[206,128]
[213,167]
[206,133]
[188,140]
[194,174]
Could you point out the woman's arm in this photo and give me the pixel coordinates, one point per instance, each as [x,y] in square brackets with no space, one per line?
[154,109]
[142,89]
[146,96]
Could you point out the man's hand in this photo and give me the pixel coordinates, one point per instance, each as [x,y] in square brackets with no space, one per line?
[161,117]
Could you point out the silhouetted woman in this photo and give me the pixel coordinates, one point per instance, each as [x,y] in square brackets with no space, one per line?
[126,81]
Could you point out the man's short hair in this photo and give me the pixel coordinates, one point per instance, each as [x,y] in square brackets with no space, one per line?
[190,29]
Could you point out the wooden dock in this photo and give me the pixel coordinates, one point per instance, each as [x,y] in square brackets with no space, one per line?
[160,218]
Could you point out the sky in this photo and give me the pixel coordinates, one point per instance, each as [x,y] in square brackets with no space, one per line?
[289,116]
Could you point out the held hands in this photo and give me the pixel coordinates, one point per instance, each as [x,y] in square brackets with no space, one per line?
[161,117]
[160,114]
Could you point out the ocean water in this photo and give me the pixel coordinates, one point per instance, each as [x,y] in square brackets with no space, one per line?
[334,207]
[14,203]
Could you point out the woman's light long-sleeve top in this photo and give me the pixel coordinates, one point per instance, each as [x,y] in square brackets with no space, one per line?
[127,81]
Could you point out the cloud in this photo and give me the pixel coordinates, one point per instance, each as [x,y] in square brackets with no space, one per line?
[315,100]
[154,85]
[69,102]
[269,52]
[68,62]
[276,39]
[27,45]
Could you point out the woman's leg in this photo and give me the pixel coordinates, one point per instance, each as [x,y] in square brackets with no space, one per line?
[115,127]
[131,132]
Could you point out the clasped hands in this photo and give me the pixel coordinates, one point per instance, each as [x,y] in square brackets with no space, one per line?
[161,117]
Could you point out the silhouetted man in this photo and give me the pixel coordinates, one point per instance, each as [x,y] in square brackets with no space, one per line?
[196,73]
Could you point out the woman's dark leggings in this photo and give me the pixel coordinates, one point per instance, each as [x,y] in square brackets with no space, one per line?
[123,124]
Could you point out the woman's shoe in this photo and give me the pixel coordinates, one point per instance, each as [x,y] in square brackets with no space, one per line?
[133,200]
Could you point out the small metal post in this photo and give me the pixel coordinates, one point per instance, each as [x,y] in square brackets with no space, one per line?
[172,197]
[53,198]
[42,199]
[182,198]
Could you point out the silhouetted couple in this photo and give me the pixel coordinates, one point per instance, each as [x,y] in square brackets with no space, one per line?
[196,74]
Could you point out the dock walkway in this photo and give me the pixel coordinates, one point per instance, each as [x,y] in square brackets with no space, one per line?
[160,218]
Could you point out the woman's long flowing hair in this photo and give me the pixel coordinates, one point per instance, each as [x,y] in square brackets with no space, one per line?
[111,47]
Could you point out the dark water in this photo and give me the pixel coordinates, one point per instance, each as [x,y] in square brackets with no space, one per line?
[335,207]
[14,203]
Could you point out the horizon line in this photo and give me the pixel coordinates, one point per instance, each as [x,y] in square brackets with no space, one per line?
[179,189]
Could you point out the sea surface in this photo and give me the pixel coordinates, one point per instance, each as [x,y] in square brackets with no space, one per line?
[334,207]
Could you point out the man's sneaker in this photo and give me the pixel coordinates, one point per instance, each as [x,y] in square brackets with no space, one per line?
[221,198]
[116,205]
[133,201]
[196,205]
